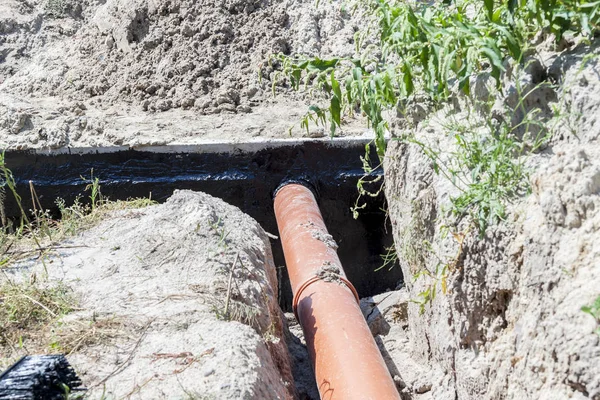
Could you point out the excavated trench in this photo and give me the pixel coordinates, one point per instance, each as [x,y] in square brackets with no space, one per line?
[244,175]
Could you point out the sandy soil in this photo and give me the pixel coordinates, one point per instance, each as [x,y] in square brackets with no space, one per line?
[156,72]
[160,276]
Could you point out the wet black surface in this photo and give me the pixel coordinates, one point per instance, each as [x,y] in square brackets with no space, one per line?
[245,180]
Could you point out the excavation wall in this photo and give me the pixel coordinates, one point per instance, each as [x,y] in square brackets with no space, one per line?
[509,324]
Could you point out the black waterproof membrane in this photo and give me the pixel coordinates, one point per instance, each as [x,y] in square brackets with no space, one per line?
[242,177]
[39,378]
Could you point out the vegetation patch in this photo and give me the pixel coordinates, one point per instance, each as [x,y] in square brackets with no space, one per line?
[36,233]
[34,319]
[26,309]
[411,53]
[34,310]
[594,311]
[415,49]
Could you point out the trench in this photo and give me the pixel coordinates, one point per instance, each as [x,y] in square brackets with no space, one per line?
[244,175]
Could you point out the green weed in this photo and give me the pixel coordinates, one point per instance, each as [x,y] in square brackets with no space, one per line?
[38,232]
[432,48]
[218,227]
[389,258]
[437,279]
[369,185]
[31,310]
[94,188]
[594,310]
[437,50]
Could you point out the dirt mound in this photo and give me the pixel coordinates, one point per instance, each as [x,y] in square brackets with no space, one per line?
[192,289]
[168,54]
[160,54]
[135,73]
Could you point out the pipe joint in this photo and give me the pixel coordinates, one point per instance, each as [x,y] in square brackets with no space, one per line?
[340,280]
[303,181]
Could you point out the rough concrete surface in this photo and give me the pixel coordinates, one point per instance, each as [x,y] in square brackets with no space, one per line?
[98,73]
[510,325]
[163,273]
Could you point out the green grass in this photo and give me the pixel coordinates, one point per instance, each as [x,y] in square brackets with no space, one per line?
[436,50]
[27,312]
[484,159]
[27,306]
[36,232]
[32,308]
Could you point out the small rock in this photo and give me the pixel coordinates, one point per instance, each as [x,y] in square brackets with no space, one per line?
[383,309]
[109,42]
[317,132]
[244,109]
[228,96]
[212,110]
[422,388]
[400,384]
[187,30]
[152,89]
[188,102]
[228,107]
[202,103]
[163,105]
[251,92]
[19,122]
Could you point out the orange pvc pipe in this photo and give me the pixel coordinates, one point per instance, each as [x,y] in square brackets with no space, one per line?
[346,359]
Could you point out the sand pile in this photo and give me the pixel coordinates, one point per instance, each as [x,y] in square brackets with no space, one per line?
[161,54]
[153,72]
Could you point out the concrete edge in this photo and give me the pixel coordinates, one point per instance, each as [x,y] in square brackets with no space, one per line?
[209,146]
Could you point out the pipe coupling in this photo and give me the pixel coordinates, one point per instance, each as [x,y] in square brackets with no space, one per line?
[314,279]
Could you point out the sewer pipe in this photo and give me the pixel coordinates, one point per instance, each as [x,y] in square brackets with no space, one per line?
[345,357]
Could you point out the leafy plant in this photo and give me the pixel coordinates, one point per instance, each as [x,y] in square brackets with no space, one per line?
[581,17]
[594,310]
[437,279]
[486,162]
[389,258]
[94,188]
[433,48]
[437,50]
[370,184]
[219,228]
